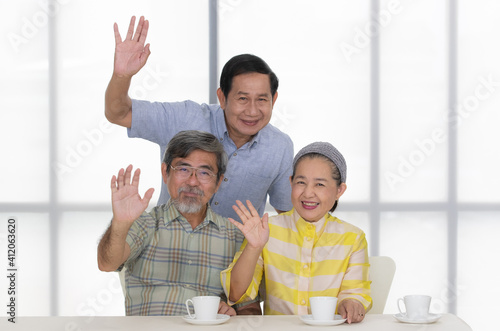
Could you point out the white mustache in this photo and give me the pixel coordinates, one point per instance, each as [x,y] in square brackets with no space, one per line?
[190,189]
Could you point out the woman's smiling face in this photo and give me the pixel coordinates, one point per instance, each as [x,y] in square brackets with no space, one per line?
[314,191]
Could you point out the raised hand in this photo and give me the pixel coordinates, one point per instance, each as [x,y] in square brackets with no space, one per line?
[255,229]
[127,203]
[131,54]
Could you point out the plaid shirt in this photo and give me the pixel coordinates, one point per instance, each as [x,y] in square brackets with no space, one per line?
[170,262]
[303,260]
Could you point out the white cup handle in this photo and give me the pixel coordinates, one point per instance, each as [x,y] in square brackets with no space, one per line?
[399,307]
[187,307]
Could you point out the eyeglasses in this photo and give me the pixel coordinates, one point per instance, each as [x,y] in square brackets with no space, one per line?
[185,172]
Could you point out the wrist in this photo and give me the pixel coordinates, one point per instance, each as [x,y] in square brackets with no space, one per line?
[122,77]
[254,250]
[121,226]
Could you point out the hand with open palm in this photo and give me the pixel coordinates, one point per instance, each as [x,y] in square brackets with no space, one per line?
[126,201]
[131,54]
[255,229]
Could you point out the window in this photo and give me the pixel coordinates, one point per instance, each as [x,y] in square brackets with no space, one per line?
[409,96]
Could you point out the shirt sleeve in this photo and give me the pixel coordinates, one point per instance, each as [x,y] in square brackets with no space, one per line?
[356,283]
[141,231]
[253,289]
[280,190]
[158,122]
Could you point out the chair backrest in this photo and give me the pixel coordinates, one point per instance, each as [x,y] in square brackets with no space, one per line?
[121,274]
[382,269]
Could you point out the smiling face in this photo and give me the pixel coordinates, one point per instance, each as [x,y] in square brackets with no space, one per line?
[314,191]
[189,195]
[248,106]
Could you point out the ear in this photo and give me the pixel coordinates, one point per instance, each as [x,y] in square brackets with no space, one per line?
[275,96]
[222,98]
[341,189]
[221,178]
[164,174]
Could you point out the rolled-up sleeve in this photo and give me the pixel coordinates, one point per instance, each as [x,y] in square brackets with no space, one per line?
[253,289]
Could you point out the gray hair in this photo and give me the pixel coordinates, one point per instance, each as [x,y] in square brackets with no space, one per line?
[185,142]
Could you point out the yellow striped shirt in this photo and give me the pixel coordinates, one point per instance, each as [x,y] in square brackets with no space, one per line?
[303,260]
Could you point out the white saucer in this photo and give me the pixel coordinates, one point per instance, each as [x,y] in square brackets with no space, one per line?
[308,319]
[221,318]
[431,318]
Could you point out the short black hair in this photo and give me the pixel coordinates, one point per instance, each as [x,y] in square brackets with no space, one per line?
[242,64]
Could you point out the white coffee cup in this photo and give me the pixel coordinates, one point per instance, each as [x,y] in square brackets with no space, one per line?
[323,308]
[417,306]
[205,307]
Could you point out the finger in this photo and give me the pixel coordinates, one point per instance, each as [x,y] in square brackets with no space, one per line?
[128,174]
[244,209]
[222,308]
[120,178]
[231,312]
[144,32]
[240,213]
[113,184]
[265,221]
[145,55]
[130,31]
[236,224]
[139,29]
[252,209]
[136,178]
[118,38]
[148,195]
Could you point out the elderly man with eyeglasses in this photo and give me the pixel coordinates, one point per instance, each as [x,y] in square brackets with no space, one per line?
[178,249]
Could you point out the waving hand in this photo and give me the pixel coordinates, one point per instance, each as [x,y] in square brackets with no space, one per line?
[255,230]
[131,54]
[127,203]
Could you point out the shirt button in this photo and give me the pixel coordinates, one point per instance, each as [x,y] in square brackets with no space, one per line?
[308,238]
[221,139]
[189,262]
[234,154]
[303,302]
[305,266]
[225,179]
[216,203]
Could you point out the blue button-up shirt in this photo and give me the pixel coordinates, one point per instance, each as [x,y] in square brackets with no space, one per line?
[259,168]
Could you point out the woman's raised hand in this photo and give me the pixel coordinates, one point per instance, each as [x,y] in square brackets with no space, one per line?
[255,229]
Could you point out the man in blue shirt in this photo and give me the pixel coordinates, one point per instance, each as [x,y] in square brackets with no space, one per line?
[260,155]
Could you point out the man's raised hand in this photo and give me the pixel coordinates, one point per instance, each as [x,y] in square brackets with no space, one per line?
[127,203]
[131,54]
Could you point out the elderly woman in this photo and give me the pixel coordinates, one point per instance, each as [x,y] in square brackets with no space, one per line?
[305,252]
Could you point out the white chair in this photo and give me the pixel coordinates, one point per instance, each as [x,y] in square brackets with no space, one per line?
[121,274]
[382,269]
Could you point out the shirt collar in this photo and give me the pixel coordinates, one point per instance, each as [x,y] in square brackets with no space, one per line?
[173,214]
[303,225]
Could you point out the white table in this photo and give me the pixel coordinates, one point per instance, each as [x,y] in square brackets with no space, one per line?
[372,322]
